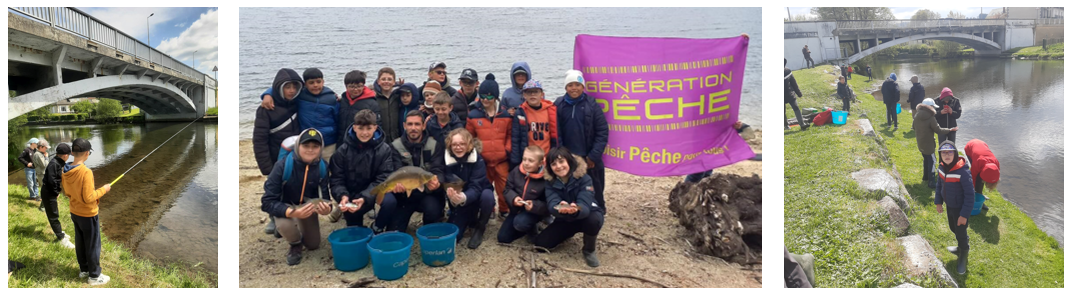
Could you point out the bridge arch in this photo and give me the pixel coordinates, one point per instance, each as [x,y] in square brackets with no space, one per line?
[151,96]
[980,45]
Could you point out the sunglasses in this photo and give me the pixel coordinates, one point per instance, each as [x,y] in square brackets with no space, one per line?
[488,96]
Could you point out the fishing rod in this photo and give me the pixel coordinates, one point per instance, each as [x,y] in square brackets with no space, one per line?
[154,150]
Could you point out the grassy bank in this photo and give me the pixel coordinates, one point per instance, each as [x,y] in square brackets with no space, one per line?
[829,215]
[1052,51]
[31,242]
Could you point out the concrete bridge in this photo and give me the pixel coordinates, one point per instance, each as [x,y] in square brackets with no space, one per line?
[849,41]
[57,53]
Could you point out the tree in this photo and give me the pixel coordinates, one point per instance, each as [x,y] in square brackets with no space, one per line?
[956,15]
[108,108]
[42,113]
[853,13]
[84,107]
[925,14]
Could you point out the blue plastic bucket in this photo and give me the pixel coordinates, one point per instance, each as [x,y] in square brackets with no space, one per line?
[898,109]
[349,248]
[840,117]
[978,200]
[390,255]
[437,242]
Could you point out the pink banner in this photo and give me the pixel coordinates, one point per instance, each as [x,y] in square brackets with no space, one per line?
[670,102]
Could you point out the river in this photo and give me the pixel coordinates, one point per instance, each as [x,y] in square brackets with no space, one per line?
[166,207]
[489,40]
[1017,107]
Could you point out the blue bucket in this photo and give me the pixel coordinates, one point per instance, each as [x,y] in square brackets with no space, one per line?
[840,117]
[978,200]
[390,255]
[349,248]
[437,242]
[898,110]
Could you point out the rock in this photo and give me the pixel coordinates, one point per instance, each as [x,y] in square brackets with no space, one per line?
[920,260]
[723,215]
[879,180]
[907,285]
[868,130]
[897,219]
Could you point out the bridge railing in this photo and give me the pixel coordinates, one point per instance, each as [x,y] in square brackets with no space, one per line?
[1050,21]
[912,24]
[82,24]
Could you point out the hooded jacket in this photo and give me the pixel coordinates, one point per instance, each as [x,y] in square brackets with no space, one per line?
[415,154]
[435,130]
[271,127]
[948,100]
[791,87]
[980,157]
[534,126]
[348,107]
[955,187]
[388,117]
[52,184]
[78,186]
[890,91]
[403,109]
[577,189]
[357,167]
[319,111]
[528,186]
[391,124]
[461,101]
[494,132]
[472,169]
[594,131]
[282,192]
[916,95]
[514,96]
[925,125]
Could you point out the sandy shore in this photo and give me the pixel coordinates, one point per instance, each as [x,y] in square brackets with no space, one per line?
[639,206]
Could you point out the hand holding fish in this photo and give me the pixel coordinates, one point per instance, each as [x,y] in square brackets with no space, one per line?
[301,212]
[323,208]
[518,202]
[564,208]
[433,184]
[528,205]
[455,197]
[345,206]
[398,188]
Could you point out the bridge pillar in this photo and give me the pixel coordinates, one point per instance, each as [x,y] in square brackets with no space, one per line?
[57,70]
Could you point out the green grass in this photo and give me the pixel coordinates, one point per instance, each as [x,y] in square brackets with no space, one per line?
[1051,51]
[828,215]
[132,112]
[212,111]
[31,242]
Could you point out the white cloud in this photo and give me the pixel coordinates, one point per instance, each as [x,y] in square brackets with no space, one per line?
[132,20]
[181,25]
[201,36]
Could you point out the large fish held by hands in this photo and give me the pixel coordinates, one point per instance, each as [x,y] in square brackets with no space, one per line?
[411,178]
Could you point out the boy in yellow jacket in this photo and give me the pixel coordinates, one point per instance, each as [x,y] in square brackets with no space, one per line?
[78,186]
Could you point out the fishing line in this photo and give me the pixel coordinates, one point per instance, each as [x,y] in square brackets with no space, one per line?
[154,150]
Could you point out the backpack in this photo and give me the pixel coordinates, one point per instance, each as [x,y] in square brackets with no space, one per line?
[287,152]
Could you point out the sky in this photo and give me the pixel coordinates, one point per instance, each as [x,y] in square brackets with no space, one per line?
[176,31]
[907,12]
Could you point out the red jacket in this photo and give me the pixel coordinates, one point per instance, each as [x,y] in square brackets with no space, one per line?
[982,159]
[494,132]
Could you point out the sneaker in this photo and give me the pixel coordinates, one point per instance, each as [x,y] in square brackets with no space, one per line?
[502,215]
[82,275]
[66,242]
[99,280]
[293,257]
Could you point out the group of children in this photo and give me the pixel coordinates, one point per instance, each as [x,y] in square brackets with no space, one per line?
[539,161]
[74,180]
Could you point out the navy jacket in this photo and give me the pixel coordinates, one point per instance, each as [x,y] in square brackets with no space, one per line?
[890,91]
[955,188]
[357,167]
[579,190]
[435,130]
[916,95]
[948,120]
[472,170]
[596,132]
[279,196]
[52,184]
[317,111]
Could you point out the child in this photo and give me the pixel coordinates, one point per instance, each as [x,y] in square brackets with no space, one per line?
[26,159]
[476,198]
[362,162]
[524,192]
[40,161]
[444,120]
[844,93]
[317,107]
[289,186]
[955,188]
[78,186]
[50,190]
[491,123]
[536,122]
[571,200]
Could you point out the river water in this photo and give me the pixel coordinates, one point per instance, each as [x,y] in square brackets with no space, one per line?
[1017,107]
[166,207]
[489,40]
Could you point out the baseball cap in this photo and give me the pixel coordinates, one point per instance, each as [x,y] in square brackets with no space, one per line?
[311,134]
[63,148]
[929,102]
[469,74]
[81,145]
[33,140]
[947,147]
[532,84]
[436,64]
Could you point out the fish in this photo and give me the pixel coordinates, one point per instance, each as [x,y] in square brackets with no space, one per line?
[454,182]
[411,178]
[312,201]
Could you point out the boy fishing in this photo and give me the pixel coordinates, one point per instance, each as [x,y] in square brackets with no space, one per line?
[78,186]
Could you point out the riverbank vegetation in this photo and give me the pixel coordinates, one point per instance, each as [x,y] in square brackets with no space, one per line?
[1053,51]
[48,264]
[827,214]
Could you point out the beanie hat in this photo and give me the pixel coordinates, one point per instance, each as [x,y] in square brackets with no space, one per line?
[574,76]
[946,92]
[990,173]
[312,73]
[489,86]
[892,76]
[432,86]
[929,102]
